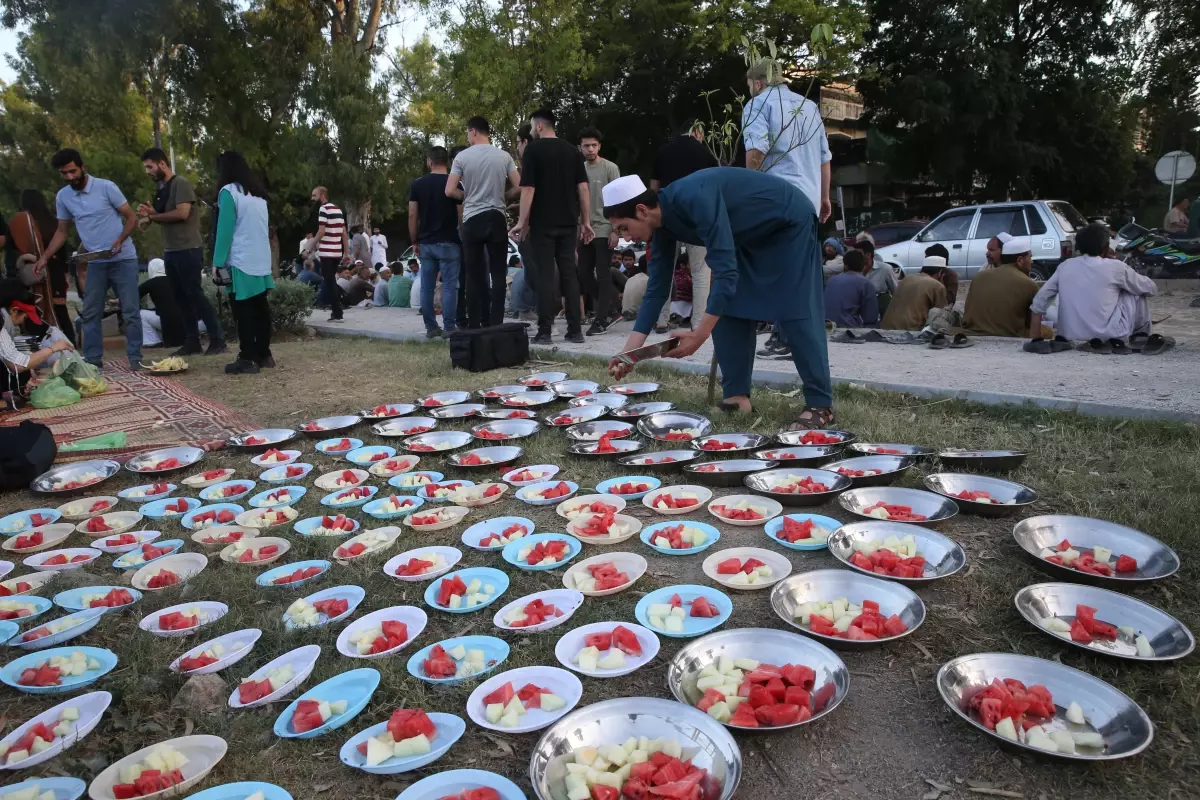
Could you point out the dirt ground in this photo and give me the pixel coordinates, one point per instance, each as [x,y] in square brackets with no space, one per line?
[892,737]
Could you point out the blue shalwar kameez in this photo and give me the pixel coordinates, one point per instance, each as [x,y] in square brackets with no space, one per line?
[761,236]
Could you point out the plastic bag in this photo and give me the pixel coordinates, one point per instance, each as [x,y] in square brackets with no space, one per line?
[54,393]
[90,387]
[105,441]
[80,375]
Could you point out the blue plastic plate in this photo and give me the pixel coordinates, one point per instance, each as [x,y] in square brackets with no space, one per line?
[446,498]
[72,599]
[13,669]
[212,494]
[513,549]
[157,509]
[362,456]
[22,517]
[494,650]
[454,781]
[327,500]
[495,577]
[473,535]
[122,561]
[287,569]
[63,788]
[527,494]
[449,729]
[305,527]
[186,520]
[354,594]
[605,487]
[692,626]
[373,507]
[775,526]
[295,493]
[279,475]
[397,481]
[355,687]
[324,446]
[8,630]
[42,606]
[242,790]
[648,536]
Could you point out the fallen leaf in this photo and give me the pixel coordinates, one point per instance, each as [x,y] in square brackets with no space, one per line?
[932,794]
[924,651]
[503,745]
[188,726]
[941,787]
[995,792]
[322,787]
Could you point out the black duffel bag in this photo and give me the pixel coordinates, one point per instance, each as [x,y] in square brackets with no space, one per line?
[482,349]
[26,451]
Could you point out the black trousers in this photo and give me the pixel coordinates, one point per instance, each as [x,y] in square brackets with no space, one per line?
[594,264]
[333,292]
[551,247]
[485,248]
[183,271]
[253,317]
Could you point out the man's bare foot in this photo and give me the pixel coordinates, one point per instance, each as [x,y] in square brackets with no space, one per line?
[736,405]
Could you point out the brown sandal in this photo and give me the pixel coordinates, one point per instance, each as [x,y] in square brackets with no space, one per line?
[813,419]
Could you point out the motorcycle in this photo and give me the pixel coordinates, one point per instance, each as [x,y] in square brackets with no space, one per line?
[1156,254]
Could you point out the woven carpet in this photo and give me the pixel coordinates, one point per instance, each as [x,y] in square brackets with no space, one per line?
[153,411]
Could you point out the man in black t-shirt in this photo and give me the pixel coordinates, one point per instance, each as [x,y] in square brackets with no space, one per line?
[555,203]
[433,229]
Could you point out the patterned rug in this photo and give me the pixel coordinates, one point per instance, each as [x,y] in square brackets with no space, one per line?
[154,412]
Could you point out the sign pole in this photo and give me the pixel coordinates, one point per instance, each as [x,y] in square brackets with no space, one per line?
[1174,176]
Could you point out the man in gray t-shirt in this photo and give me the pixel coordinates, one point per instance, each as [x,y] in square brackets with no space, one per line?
[483,172]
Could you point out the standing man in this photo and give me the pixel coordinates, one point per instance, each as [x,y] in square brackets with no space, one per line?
[555,206]
[104,221]
[333,248]
[360,245]
[433,229]
[379,247]
[175,209]
[595,258]
[761,236]
[484,171]
[785,137]
[677,159]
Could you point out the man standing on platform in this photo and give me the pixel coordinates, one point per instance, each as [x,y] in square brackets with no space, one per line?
[332,244]
[595,258]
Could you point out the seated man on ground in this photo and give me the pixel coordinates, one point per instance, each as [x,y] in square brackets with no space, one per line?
[380,297]
[401,283]
[162,324]
[998,300]
[19,307]
[850,299]
[360,287]
[1098,298]
[948,277]
[832,251]
[919,294]
[522,302]
[880,274]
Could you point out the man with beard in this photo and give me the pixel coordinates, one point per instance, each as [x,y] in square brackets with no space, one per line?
[104,222]
[175,208]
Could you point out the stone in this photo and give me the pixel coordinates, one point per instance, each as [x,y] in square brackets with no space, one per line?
[202,694]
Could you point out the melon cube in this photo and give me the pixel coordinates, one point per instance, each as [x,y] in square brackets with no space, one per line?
[1101,554]
[720,711]
[515,706]
[494,711]
[552,702]
[457,653]
[659,609]
[588,658]
[510,720]
[338,707]
[70,714]
[378,751]
[674,624]
[614,659]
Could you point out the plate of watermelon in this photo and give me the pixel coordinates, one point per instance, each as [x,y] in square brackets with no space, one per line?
[124,542]
[108,597]
[392,506]
[801,531]
[367,543]
[350,498]
[896,551]
[261,439]
[391,467]
[479,495]
[629,487]
[466,590]
[409,740]
[674,500]
[586,504]
[57,631]
[898,504]
[111,522]
[166,459]
[547,493]
[413,481]
[208,477]
[48,788]
[173,507]
[64,559]
[759,678]
[217,654]
[541,551]
[450,397]
[539,611]
[524,700]
[442,491]
[27,608]
[183,619]
[326,607]
[169,571]
[297,573]
[342,479]
[222,535]
[75,510]
[463,784]
[58,670]
[605,574]
[328,705]
[278,496]
[744,510]
[276,678]
[275,458]
[524,476]
[195,757]
[683,611]
[455,660]
[495,533]
[336,525]
[243,790]
[436,519]
[606,649]
[60,727]
[437,441]
[147,553]
[404,427]
[370,455]
[262,518]
[37,539]
[258,551]
[25,584]
[847,610]
[682,538]
[382,633]
[295,471]
[604,528]
[339,447]
[211,516]
[747,568]
[1094,551]
[23,521]
[387,411]
[227,491]
[423,563]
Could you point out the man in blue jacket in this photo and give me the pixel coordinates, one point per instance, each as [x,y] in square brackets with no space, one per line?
[761,237]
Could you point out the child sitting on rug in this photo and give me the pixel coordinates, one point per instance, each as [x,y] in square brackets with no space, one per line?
[20,307]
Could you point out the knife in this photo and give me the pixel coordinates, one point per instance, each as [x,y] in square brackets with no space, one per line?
[648,351]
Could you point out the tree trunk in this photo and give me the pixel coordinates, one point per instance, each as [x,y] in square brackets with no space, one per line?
[360,214]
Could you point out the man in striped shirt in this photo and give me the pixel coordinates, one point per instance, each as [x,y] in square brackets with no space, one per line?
[332,244]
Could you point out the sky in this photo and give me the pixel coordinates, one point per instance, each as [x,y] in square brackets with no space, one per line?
[8,47]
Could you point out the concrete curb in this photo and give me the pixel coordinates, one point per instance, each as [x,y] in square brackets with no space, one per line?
[772,377]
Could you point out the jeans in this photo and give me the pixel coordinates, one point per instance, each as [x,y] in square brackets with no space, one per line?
[183,271]
[333,293]
[733,342]
[122,276]
[552,247]
[701,278]
[444,258]
[484,249]
[253,317]
[523,297]
[594,261]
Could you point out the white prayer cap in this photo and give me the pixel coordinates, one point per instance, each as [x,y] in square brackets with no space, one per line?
[934,261]
[623,189]
[1004,238]
[156,268]
[1016,245]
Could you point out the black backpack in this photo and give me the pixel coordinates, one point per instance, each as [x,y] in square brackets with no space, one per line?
[26,451]
[482,349]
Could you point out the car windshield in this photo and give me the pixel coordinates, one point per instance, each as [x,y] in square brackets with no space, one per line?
[1067,217]
[952,225]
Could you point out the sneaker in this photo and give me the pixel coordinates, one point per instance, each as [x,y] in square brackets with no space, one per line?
[433,333]
[628,316]
[216,349]
[267,363]
[543,337]
[188,350]
[599,326]
[241,367]
[575,337]
[660,328]
[335,319]
[782,352]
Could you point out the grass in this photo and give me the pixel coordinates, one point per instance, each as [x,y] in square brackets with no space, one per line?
[889,737]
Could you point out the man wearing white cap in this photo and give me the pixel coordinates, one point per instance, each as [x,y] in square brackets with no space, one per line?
[998,300]
[994,247]
[917,295]
[760,233]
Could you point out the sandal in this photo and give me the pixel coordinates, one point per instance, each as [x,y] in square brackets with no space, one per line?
[1156,344]
[1137,341]
[960,341]
[847,336]
[1059,345]
[1119,348]
[1095,346]
[1039,346]
[876,336]
[939,342]
[813,419]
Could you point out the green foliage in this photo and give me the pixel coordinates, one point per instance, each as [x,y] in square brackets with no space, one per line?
[290,301]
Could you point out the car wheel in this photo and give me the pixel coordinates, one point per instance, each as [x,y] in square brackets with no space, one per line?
[1039,273]
[899,273]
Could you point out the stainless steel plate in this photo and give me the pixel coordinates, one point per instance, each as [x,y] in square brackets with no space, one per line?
[890,469]
[608,400]
[271,437]
[404,427]
[657,426]
[64,474]
[575,415]
[439,441]
[330,425]
[509,428]
[741,441]
[623,447]
[833,584]
[1009,496]
[593,431]
[725,473]
[458,411]
[1155,560]
[934,508]
[760,483]
[641,409]
[144,463]
[890,449]
[984,460]
[800,456]
[943,556]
